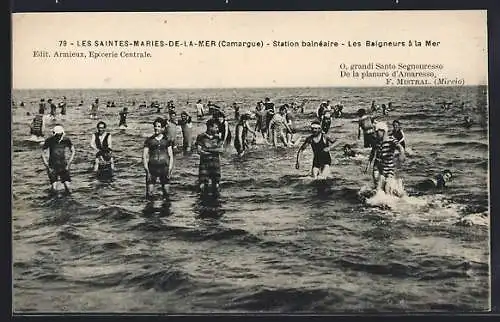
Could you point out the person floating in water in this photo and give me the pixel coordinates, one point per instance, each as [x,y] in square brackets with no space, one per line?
[187,131]
[37,126]
[321,146]
[383,155]
[241,134]
[398,134]
[367,127]
[158,159]
[468,122]
[445,105]
[210,147]
[55,163]
[437,182]
[348,151]
[374,107]
[384,110]
[102,144]
[123,117]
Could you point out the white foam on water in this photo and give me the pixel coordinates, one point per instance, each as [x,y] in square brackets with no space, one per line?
[427,210]
[410,152]
[475,219]
[34,138]
[260,140]
[359,157]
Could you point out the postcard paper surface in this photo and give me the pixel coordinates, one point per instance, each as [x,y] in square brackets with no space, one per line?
[202,162]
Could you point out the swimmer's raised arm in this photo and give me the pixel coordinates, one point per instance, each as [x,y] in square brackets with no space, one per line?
[331,143]
[299,152]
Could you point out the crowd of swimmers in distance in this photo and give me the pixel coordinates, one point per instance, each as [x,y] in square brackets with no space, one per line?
[273,125]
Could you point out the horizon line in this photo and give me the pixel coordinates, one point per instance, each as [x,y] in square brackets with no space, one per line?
[246,87]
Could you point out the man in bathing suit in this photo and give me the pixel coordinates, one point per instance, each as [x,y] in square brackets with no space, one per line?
[158,159]
[321,146]
[260,116]
[384,154]
[53,108]
[102,145]
[37,126]
[123,117]
[241,134]
[42,106]
[56,165]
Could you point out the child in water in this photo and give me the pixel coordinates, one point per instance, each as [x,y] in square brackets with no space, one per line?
[397,133]
[348,151]
[467,122]
[326,121]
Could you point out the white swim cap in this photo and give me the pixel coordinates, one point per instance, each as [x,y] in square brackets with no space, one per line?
[381,126]
[58,129]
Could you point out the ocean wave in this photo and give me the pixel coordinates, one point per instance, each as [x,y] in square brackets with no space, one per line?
[468,145]
[163,280]
[283,300]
